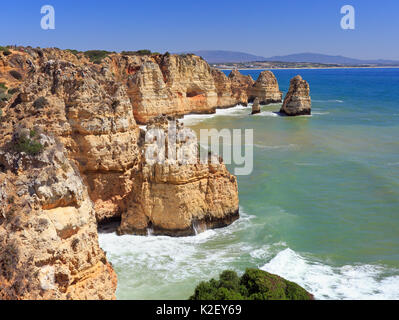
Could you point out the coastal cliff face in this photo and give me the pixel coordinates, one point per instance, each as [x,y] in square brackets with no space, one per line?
[71,156]
[297,101]
[92,112]
[155,84]
[240,86]
[265,89]
[183,196]
[48,236]
[177,85]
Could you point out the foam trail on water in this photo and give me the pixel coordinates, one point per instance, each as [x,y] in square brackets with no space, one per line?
[326,282]
[192,119]
[332,100]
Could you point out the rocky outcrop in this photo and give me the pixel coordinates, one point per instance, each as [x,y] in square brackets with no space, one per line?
[297,101]
[155,84]
[240,86]
[223,89]
[180,196]
[256,106]
[48,235]
[92,167]
[172,85]
[92,115]
[266,89]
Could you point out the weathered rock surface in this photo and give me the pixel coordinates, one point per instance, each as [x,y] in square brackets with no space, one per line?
[92,115]
[297,101]
[256,106]
[181,197]
[155,84]
[92,167]
[240,86]
[48,235]
[266,89]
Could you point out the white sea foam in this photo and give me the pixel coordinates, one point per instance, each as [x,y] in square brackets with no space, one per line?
[160,267]
[266,114]
[278,147]
[326,282]
[331,100]
[192,119]
[319,113]
[175,259]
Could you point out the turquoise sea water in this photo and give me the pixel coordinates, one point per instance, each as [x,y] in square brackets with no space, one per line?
[321,207]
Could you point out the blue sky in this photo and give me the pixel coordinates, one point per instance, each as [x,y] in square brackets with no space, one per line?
[261,27]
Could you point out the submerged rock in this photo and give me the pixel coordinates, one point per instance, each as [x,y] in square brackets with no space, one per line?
[256,106]
[297,101]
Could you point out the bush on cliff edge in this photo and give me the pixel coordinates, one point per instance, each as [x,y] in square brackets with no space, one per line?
[255,284]
[28,144]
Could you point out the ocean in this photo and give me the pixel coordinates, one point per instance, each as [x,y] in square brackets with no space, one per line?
[321,207]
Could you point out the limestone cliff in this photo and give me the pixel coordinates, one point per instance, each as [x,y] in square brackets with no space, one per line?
[240,86]
[48,236]
[155,84]
[71,153]
[265,89]
[256,106]
[297,101]
[180,197]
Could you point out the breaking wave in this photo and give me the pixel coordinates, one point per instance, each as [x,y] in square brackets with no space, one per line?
[326,282]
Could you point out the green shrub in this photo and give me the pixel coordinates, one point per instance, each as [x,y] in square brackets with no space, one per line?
[13,90]
[3,86]
[143,52]
[5,51]
[4,96]
[255,284]
[75,52]
[96,56]
[40,103]
[28,144]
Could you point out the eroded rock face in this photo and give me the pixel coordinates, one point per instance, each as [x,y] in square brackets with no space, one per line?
[179,199]
[92,168]
[266,89]
[48,237]
[256,106]
[155,84]
[223,89]
[92,115]
[240,86]
[297,101]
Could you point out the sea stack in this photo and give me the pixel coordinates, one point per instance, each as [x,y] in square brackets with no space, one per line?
[179,198]
[256,106]
[297,101]
[240,86]
[266,89]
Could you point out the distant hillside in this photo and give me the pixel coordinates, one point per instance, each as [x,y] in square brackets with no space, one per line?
[323,58]
[220,56]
